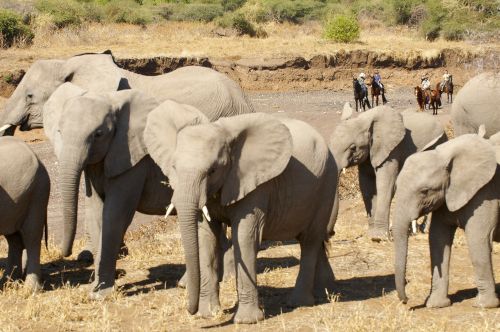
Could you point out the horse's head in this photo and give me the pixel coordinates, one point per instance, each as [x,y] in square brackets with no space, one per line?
[417,90]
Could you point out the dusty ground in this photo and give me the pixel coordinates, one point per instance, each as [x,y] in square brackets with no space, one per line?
[148,299]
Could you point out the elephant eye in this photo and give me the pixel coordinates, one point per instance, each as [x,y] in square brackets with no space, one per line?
[211,171]
[424,191]
[98,133]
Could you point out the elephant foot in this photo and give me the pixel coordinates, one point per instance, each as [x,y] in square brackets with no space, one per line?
[487,301]
[301,299]
[101,294]
[434,301]
[378,234]
[248,314]
[209,307]
[85,256]
[182,282]
[33,283]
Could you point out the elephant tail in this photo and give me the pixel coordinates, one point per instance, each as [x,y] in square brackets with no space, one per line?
[46,233]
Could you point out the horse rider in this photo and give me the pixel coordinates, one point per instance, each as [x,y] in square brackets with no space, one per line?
[446,79]
[426,86]
[361,81]
[378,80]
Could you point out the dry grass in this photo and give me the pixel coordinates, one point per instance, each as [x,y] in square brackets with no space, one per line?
[147,299]
[196,39]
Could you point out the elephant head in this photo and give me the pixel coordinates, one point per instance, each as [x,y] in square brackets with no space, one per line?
[372,135]
[92,72]
[85,129]
[451,174]
[222,161]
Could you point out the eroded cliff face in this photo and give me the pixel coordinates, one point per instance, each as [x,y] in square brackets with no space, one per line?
[332,71]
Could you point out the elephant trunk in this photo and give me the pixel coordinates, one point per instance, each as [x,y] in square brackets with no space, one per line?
[70,173]
[400,232]
[187,200]
[14,114]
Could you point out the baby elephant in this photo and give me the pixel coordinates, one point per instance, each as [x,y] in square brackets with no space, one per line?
[460,183]
[24,195]
[269,178]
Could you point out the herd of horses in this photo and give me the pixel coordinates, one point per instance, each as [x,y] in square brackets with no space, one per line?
[426,99]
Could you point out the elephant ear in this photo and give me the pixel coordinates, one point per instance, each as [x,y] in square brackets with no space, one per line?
[471,164]
[94,72]
[127,148]
[261,147]
[387,131]
[162,126]
[53,109]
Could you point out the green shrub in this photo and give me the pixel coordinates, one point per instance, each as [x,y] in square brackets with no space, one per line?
[432,25]
[193,12]
[232,5]
[12,29]
[401,10]
[453,30]
[238,22]
[127,11]
[290,10]
[63,13]
[342,28]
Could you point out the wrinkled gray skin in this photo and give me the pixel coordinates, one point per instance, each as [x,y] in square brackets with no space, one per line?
[213,93]
[458,182]
[24,195]
[269,178]
[379,141]
[101,134]
[477,103]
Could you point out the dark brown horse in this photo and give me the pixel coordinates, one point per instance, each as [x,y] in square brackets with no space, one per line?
[419,93]
[377,90]
[448,89]
[434,98]
[360,95]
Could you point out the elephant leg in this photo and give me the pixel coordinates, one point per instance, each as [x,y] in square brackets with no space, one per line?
[479,232]
[13,269]
[368,187]
[245,234]
[441,236]
[385,181]
[119,208]
[32,241]
[302,294]
[324,277]
[210,259]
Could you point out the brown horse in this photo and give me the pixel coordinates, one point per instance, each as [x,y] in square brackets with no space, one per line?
[377,90]
[434,98]
[419,93]
[448,89]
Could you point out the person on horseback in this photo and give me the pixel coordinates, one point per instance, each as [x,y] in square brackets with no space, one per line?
[378,80]
[446,79]
[425,82]
[361,81]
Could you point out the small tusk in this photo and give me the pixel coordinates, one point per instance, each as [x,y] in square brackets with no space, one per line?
[204,209]
[343,170]
[414,226]
[169,210]
[5,127]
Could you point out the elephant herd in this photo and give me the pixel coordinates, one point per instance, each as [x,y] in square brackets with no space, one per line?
[190,140]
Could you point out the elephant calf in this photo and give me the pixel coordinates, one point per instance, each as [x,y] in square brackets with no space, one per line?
[379,141]
[459,182]
[24,195]
[269,178]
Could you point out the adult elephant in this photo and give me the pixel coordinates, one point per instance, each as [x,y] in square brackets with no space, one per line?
[214,93]
[458,182]
[211,92]
[268,178]
[379,141]
[477,103]
[101,135]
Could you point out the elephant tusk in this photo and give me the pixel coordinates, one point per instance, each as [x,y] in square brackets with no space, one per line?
[169,210]
[204,209]
[414,226]
[343,170]
[5,127]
